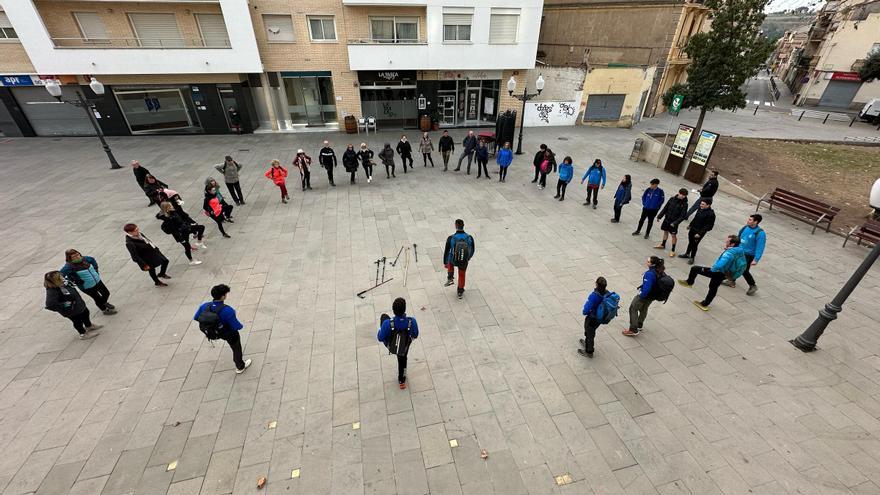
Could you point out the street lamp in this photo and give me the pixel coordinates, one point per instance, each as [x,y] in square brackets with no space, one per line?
[524,97]
[54,89]
[807,340]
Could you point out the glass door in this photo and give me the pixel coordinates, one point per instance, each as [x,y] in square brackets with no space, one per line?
[311,99]
[447,109]
[472,106]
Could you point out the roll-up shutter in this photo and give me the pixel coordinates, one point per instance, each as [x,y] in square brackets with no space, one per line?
[603,107]
[49,117]
[156,30]
[213,30]
[503,25]
[91,26]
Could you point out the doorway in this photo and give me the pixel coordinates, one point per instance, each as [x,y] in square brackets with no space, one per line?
[447,109]
[310,100]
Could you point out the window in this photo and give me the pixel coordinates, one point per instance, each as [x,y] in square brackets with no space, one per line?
[322,28]
[503,25]
[91,27]
[457,24]
[213,30]
[156,30]
[394,29]
[6,29]
[279,28]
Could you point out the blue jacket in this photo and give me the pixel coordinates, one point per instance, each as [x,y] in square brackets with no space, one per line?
[566,172]
[594,175]
[227,315]
[83,278]
[400,322]
[724,262]
[592,302]
[482,153]
[504,158]
[450,245]
[648,281]
[652,199]
[623,195]
[752,241]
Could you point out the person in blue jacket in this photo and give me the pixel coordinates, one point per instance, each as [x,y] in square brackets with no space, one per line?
[401,322]
[459,250]
[638,308]
[718,272]
[595,176]
[230,326]
[622,196]
[83,272]
[482,156]
[566,172]
[504,159]
[591,322]
[752,239]
[652,200]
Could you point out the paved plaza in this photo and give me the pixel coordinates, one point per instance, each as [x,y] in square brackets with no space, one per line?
[700,403]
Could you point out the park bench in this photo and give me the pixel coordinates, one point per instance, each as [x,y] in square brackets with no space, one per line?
[801,207]
[868,232]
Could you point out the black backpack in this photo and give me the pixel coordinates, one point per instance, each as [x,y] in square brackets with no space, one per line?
[461,251]
[210,323]
[399,341]
[662,287]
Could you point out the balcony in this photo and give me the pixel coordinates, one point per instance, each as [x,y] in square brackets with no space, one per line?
[373,54]
[386,3]
[139,43]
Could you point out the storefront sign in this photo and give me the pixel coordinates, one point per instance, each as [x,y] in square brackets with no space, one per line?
[452,75]
[372,76]
[682,138]
[550,113]
[846,76]
[704,147]
[22,80]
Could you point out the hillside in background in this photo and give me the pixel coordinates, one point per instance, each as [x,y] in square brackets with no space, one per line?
[777,23]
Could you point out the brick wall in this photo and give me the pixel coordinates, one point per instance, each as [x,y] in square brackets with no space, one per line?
[13,59]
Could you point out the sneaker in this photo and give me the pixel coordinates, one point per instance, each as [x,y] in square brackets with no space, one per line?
[110,305]
[402,385]
[752,290]
[161,284]
[556,197]
[684,256]
[283,200]
[164,275]
[729,283]
[542,188]
[690,261]
[195,263]
[94,327]
[86,336]
[647,236]
[227,236]
[460,293]
[109,311]
[536,180]
[594,207]
[202,245]
[194,247]
[700,305]
[614,221]
[369,179]
[660,246]
[230,220]
[247,362]
[582,352]
[562,199]
[309,188]
[448,283]
[629,332]
[636,233]
[685,283]
[587,203]
[672,254]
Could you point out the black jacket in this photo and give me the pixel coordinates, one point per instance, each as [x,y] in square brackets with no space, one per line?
[404,148]
[709,188]
[539,157]
[469,143]
[387,156]
[446,144]
[675,210]
[65,301]
[350,160]
[152,190]
[327,157]
[144,253]
[366,156]
[703,221]
[140,175]
[175,225]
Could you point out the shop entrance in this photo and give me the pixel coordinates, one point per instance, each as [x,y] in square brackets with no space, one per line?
[468,103]
[310,98]
[158,109]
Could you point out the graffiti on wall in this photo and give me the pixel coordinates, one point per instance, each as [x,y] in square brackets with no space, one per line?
[551,113]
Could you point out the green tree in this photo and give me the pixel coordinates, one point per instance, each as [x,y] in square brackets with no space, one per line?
[723,59]
[871,68]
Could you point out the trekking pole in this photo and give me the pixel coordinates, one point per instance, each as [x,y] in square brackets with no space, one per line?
[394,263]
[416,251]
[406,267]
[377,271]
[383,269]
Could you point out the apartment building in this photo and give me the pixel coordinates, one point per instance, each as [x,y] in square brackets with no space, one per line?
[624,34]
[202,66]
[783,61]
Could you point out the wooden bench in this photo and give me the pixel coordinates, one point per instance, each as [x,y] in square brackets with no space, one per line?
[801,207]
[868,232]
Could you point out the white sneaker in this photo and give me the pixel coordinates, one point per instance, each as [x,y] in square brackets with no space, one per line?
[202,245]
[369,179]
[247,362]
[195,262]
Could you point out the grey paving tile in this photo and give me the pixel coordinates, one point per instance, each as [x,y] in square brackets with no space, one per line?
[128,471]
[194,459]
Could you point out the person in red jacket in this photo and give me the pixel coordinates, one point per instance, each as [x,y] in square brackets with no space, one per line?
[216,211]
[278,175]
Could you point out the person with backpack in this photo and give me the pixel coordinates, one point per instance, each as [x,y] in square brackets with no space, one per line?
[548,165]
[218,322]
[622,196]
[278,175]
[656,286]
[180,229]
[706,192]
[152,187]
[366,157]
[599,309]
[63,298]
[426,146]
[211,183]
[652,200]
[536,162]
[145,254]
[482,156]
[140,176]
[303,162]
[469,145]
[459,250]
[350,162]
[230,168]
[404,149]
[446,145]
[672,214]
[595,176]
[702,223]
[387,157]
[504,159]
[752,240]
[327,159]
[83,272]
[397,334]
[731,264]
[566,172]
[216,210]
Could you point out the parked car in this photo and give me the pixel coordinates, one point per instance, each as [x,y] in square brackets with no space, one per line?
[871,111]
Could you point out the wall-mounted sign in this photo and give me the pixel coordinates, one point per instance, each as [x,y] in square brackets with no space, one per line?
[452,75]
[682,138]
[846,76]
[384,76]
[675,105]
[704,147]
[20,80]
[423,103]
[550,113]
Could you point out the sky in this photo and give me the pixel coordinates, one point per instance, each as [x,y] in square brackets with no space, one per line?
[778,5]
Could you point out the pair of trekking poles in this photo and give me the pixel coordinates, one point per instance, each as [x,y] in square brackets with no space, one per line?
[380,264]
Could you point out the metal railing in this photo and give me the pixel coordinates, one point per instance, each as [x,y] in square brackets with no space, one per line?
[138,43]
[374,41]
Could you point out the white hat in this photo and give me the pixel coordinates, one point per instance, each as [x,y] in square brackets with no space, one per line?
[299,150]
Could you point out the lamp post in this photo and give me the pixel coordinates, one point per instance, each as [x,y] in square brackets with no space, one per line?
[54,89]
[524,97]
[807,340]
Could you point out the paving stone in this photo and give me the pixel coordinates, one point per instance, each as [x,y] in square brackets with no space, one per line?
[128,471]
[631,399]
[60,479]
[194,458]
[220,476]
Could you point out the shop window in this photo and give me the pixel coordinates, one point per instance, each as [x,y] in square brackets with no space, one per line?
[457,24]
[394,29]
[91,27]
[279,28]
[7,32]
[322,28]
[503,25]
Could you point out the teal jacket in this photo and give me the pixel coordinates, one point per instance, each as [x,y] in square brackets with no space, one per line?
[84,278]
[724,262]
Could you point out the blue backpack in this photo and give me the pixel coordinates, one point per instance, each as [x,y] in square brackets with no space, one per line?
[737,266]
[607,309]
